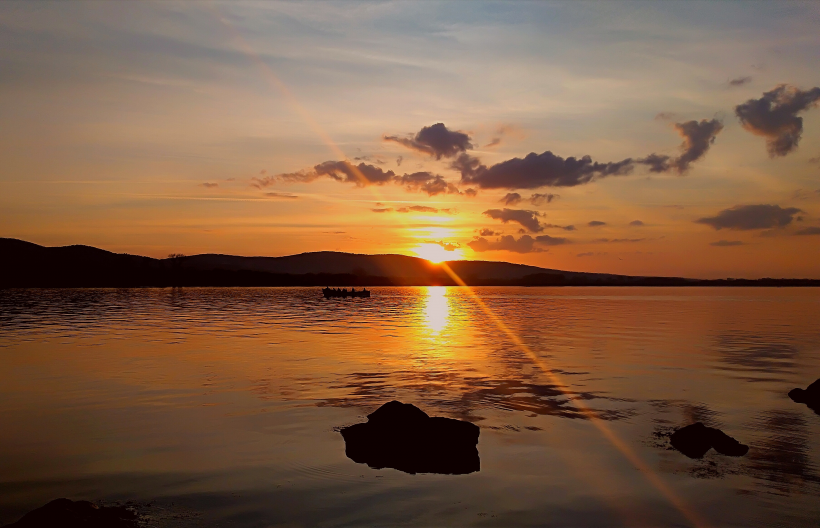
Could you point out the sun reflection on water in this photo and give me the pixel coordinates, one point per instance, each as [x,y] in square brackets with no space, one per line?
[436,309]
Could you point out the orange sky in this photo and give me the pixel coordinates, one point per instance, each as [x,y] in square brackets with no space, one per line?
[157,128]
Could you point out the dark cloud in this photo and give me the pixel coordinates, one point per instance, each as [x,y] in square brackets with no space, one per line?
[436,140]
[493,142]
[542,199]
[698,136]
[740,81]
[528,219]
[448,246]
[551,241]
[618,240]
[665,116]
[511,199]
[209,185]
[596,223]
[636,223]
[774,116]
[746,217]
[525,244]
[726,243]
[536,170]
[382,209]
[361,175]
[472,193]
[426,182]
[488,232]
[809,231]
[587,254]
[399,160]
[280,195]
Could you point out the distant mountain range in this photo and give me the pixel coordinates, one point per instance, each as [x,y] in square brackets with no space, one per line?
[28,265]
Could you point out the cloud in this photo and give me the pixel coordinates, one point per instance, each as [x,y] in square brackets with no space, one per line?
[698,136]
[636,223]
[666,116]
[488,232]
[280,195]
[551,241]
[536,170]
[399,160]
[746,217]
[448,246]
[774,116]
[565,228]
[511,199]
[726,243]
[740,81]
[382,209]
[542,199]
[528,219]
[260,183]
[525,244]
[587,254]
[619,240]
[362,175]
[436,140]
[596,223]
[209,185]
[493,142]
[809,231]
[426,182]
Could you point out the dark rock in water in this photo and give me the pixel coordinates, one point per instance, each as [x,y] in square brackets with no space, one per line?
[401,436]
[696,439]
[65,513]
[810,396]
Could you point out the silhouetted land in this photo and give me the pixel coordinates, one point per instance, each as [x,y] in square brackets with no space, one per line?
[27,265]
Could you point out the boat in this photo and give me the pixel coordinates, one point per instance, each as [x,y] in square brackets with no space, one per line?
[336,292]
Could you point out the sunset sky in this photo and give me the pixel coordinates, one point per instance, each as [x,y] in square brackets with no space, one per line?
[445,130]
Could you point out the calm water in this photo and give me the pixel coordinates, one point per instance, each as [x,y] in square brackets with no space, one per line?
[220,407]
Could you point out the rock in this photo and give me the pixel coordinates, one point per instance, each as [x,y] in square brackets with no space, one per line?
[401,436]
[810,396]
[65,513]
[696,439]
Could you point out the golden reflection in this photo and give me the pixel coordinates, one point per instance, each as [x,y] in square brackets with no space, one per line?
[437,308]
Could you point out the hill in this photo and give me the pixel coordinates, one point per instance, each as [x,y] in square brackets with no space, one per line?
[24,264]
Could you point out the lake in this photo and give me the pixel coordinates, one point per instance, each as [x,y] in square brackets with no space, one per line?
[221,407]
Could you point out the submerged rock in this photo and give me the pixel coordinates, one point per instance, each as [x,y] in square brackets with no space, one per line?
[401,436]
[65,513]
[810,396]
[696,439]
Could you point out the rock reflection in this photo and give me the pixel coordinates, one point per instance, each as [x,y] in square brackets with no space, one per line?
[782,458]
[756,358]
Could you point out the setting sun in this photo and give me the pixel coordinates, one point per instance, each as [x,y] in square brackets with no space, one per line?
[436,254]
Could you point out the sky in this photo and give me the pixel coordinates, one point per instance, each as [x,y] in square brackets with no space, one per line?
[653,138]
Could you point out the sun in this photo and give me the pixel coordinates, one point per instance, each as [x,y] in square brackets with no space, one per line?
[437,254]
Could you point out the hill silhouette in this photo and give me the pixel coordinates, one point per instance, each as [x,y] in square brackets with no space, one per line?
[28,265]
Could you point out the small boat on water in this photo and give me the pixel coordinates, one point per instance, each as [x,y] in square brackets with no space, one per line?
[336,292]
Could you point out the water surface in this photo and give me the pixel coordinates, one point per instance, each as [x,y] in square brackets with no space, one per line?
[221,407]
